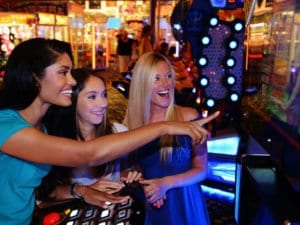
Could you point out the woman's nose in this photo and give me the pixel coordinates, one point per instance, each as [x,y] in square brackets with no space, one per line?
[70,80]
[103,102]
[165,82]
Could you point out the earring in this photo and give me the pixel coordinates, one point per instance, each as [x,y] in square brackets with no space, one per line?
[37,85]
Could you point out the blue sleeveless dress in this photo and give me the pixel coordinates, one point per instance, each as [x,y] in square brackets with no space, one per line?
[184,205]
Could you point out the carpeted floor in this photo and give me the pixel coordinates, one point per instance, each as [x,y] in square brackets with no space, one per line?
[117,102]
[221,213]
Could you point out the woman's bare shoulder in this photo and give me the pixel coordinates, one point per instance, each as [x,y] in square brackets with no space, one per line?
[188,113]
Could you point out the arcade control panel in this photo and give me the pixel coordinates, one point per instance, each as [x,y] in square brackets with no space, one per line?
[130,212]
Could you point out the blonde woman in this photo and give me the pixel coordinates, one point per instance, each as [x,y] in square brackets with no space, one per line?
[173,167]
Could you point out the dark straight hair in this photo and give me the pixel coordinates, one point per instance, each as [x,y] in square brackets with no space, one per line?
[27,62]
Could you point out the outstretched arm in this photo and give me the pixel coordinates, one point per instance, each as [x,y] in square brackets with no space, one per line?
[32,145]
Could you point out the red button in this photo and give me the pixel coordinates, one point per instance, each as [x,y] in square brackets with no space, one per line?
[51,218]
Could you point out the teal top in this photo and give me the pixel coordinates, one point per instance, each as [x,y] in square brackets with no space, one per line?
[18,178]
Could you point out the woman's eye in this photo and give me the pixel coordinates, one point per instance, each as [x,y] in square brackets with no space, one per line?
[63,72]
[91,96]
[169,76]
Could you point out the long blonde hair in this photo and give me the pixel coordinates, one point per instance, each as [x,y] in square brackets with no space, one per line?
[139,102]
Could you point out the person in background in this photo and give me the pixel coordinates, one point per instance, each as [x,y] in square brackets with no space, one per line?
[186,76]
[171,53]
[100,58]
[124,51]
[38,75]
[135,54]
[84,120]
[164,48]
[172,166]
[145,42]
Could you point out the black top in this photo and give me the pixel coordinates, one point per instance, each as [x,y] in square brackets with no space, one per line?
[124,48]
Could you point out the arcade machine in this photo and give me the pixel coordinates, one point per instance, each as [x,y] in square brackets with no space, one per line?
[223,152]
[75,212]
[269,176]
[215,30]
